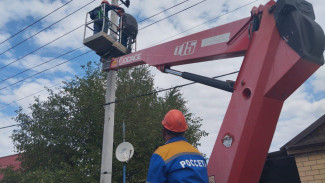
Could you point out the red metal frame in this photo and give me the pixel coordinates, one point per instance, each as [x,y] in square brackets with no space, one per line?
[171,54]
[270,73]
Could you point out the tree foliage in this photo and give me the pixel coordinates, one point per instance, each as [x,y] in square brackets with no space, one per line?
[61,140]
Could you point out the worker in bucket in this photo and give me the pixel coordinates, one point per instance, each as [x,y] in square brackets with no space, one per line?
[177,160]
[129,26]
[98,14]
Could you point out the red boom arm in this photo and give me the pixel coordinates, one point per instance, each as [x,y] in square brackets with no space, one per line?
[229,40]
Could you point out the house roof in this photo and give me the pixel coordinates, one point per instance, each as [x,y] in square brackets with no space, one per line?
[312,136]
[9,160]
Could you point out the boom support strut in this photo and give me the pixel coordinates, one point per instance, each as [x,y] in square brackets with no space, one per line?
[226,86]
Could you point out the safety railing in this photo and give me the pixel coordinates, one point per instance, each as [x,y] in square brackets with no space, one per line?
[103,21]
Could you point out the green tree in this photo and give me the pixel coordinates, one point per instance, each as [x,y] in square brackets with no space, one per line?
[10,175]
[143,124]
[61,140]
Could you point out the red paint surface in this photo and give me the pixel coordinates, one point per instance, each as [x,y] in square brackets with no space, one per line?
[270,73]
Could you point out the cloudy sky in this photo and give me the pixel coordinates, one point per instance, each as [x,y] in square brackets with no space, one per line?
[21,78]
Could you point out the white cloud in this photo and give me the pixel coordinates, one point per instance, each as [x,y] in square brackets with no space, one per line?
[4,86]
[35,60]
[318,80]
[6,144]
[26,89]
[297,114]
[21,10]
[4,45]
[35,9]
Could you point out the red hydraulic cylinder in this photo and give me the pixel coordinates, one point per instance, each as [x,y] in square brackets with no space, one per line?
[270,73]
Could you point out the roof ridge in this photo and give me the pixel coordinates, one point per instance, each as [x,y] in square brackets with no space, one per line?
[311,128]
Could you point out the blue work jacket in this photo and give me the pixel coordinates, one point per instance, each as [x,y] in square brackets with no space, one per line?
[98,13]
[177,161]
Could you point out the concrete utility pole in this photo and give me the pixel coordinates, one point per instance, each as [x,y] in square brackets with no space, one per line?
[108,136]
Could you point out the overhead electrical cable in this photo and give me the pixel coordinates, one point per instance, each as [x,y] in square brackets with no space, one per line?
[64,54]
[133,97]
[231,11]
[44,70]
[162,11]
[41,63]
[166,89]
[172,14]
[33,94]
[41,47]
[46,27]
[35,22]
[83,24]
[75,30]
[48,44]
[149,93]
[137,96]
[8,126]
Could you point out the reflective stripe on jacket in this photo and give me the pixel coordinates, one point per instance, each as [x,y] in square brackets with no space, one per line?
[177,161]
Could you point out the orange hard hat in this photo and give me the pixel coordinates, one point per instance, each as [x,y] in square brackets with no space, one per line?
[175,121]
[104,2]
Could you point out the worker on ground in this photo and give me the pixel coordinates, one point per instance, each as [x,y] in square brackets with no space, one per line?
[177,160]
[99,13]
[129,32]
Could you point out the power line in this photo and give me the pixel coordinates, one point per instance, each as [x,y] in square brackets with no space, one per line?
[62,55]
[4,106]
[46,87]
[173,14]
[137,96]
[46,28]
[35,22]
[87,52]
[69,33]
[41,47]
[166,89]
[83,25]
[58,56]
[72,31]
[209,21]
[41,63]
[149,93]
[162,11]
[146,94]
[44,70]
[8,126]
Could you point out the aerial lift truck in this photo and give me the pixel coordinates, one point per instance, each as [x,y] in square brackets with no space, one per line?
[282,46]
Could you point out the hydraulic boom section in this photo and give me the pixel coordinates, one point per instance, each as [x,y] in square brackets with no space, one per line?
[229,40]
